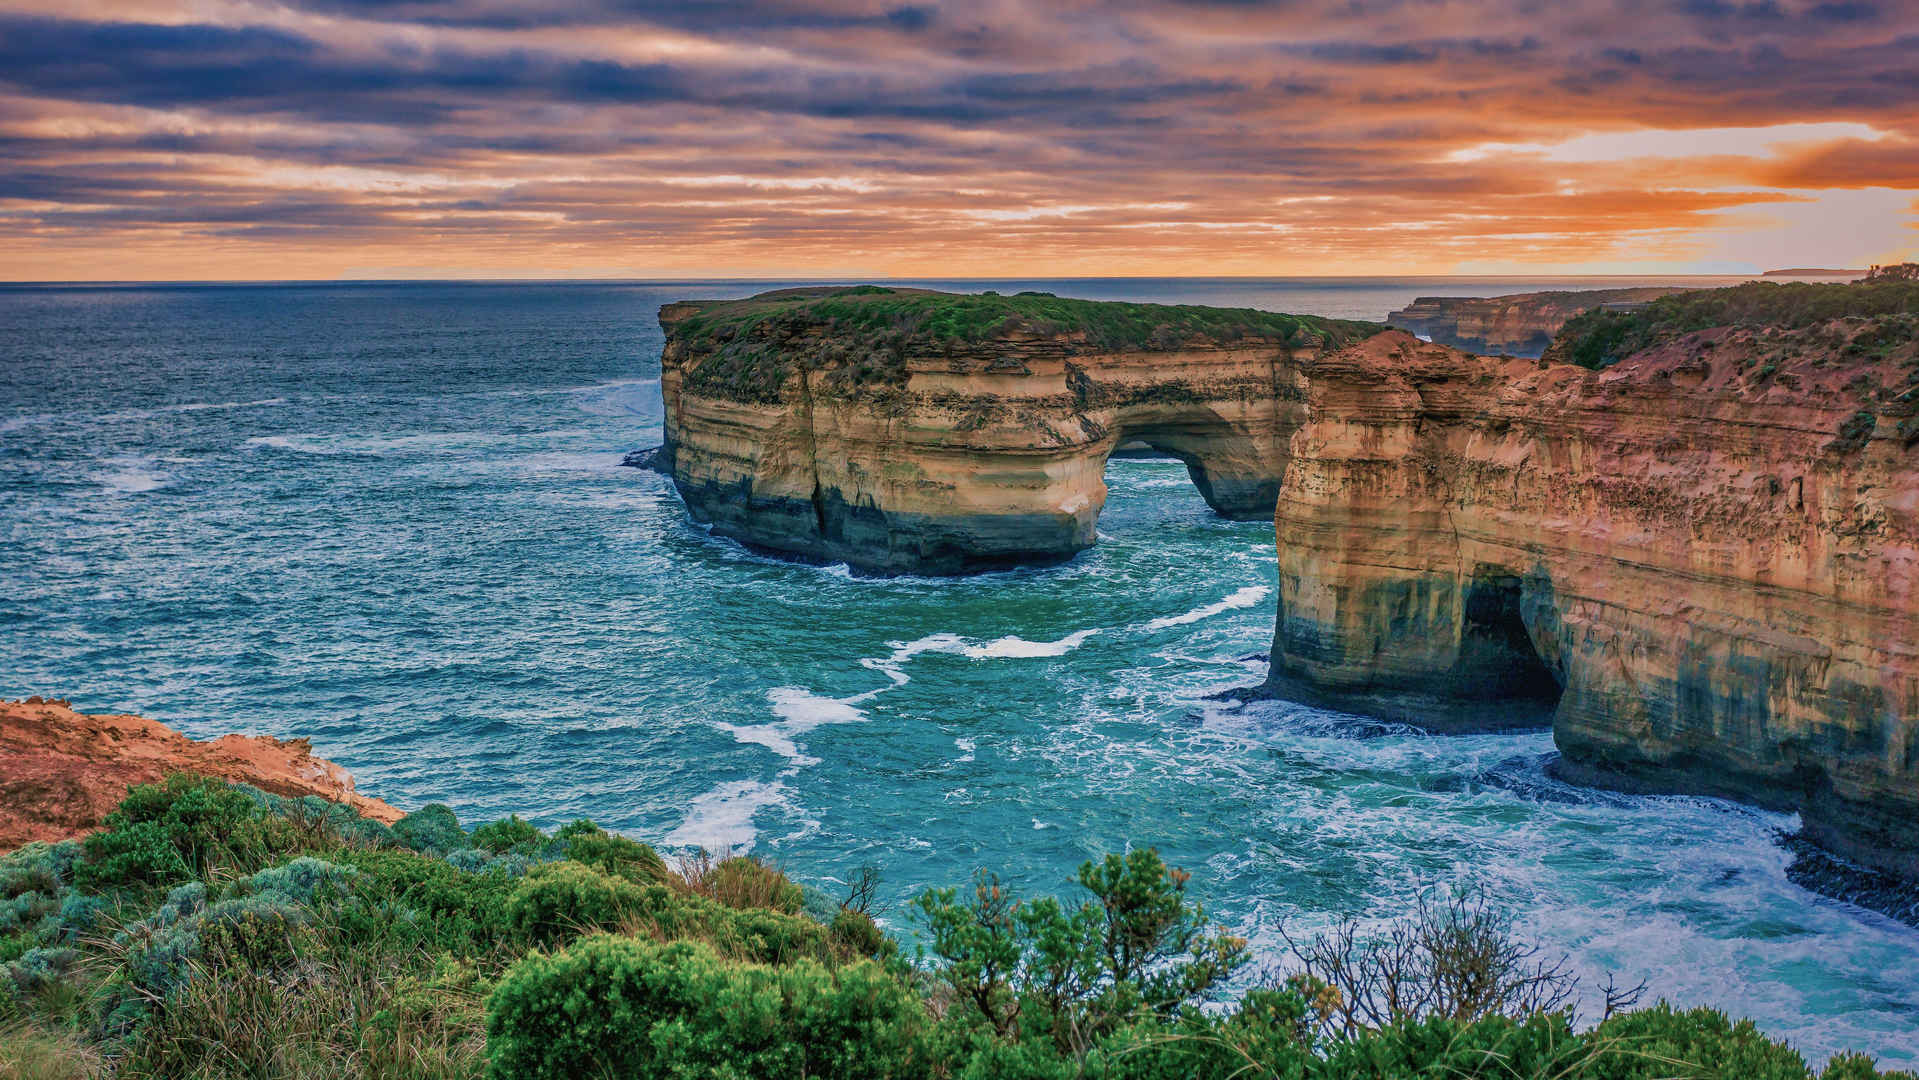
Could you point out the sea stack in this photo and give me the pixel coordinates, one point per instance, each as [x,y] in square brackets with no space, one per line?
[906,431]
[1693,553]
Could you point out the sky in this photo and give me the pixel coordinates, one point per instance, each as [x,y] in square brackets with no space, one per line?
[272,139]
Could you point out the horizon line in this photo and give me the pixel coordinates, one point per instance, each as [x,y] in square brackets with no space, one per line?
[742,279]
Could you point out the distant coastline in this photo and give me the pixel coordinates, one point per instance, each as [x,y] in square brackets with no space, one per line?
[1803,271]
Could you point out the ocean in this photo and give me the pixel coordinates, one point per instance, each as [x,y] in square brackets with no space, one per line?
[390,517]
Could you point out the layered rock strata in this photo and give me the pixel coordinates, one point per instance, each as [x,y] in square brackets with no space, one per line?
[936,451]
[1699,562]
[1522,324]
[62,772]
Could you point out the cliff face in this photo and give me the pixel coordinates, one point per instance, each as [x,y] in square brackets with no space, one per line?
[919,453]
[1699,562]
[1696,564]
[62,772]
[1522,324]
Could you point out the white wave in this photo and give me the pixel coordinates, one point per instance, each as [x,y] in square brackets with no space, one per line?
[1020,648]
[131,476]
[1010,647]
[614,384]
[722,819]
[800,711]
[1244,598]
[299,444]
[623,397]
[966,748]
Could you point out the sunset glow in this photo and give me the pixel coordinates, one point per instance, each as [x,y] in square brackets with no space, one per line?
[233,139]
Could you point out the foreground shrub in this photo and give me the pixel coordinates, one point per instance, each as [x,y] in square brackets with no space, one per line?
[585,842]
[1138,948]
[510,836]
[432,829]
[1455,957]
[611,1006]
[28,1053]
[743,882]
[561,901]
[1660,1042]
[415,901]
[1540,1046]
[339,1014]
[182,829]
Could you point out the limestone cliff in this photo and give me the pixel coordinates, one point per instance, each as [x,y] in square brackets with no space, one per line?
[1694,556]
[1699,562]
[1522,324]
[62,772]
[905,431]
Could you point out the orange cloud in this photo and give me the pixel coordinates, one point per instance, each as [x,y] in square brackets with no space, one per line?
[248,138]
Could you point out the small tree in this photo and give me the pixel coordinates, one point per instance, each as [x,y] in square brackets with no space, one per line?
[1138,948]
[1455,958]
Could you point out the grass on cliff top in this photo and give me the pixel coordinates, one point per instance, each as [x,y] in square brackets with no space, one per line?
[1600,338]
[869,330]
[971,318]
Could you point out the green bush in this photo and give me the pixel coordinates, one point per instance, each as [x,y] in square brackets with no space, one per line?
[858,934]
[1599,337]
[745,882]
[510,836]
[432,829]
[181,829]
[1494,1048]
[411,901]
[306,880]
[561,901]
[611,1006]
[1137,948]
[1700,1044]
[585,842]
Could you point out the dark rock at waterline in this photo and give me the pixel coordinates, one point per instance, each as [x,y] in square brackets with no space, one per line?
[1818,870]
[657,459]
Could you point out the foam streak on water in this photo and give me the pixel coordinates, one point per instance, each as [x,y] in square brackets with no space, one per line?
[391,518]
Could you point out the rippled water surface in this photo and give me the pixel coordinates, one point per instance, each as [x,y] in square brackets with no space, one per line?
[390,517]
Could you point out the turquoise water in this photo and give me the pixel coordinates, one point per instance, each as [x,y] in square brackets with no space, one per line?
[390,518]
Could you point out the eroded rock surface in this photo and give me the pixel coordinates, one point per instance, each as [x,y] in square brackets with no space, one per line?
[1696,564]
[62,772]
[1699,562]
[1522,324]
[906,432]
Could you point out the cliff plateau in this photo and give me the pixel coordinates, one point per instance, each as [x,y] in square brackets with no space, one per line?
[905,431]
[1692,553]
[1699,562]
[1522,324]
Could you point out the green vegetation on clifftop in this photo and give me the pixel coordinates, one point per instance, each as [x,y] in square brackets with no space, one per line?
[746,349]
[1599,338]
[213,931]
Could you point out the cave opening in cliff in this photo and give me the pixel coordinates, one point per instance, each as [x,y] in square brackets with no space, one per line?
[1496,648]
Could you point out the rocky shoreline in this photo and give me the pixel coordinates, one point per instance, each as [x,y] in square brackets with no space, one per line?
[62,771]
[1522,324]
[1696,563]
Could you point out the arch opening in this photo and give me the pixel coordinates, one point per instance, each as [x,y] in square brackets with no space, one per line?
[1497,650]
[1237,476]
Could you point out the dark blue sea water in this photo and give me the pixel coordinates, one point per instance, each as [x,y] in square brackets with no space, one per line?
[390,517]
